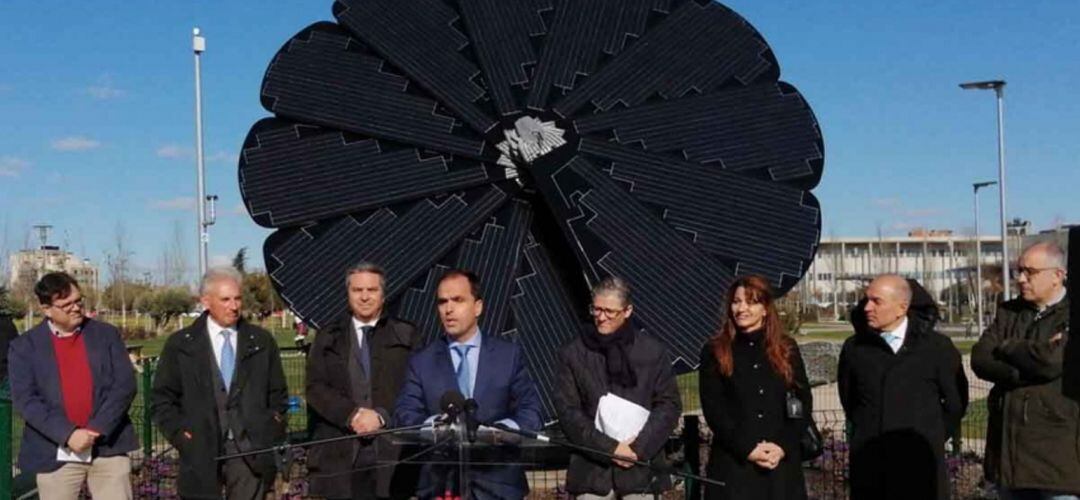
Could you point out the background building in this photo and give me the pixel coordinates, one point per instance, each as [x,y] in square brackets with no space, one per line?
[942,261]
[27,266]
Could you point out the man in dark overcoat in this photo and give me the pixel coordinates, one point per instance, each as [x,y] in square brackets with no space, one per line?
[903,388]
[220,389]
[1033,432]
[354,373]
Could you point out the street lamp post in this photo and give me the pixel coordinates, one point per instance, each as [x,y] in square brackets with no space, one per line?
[978,257]
[998,86]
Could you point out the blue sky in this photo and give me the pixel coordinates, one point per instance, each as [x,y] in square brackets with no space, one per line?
[96,99]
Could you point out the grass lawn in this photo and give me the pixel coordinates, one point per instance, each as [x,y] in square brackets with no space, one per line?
[974,424]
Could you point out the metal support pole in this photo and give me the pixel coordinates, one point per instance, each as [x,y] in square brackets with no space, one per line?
[978,255]
[1006,288]
[978,266]
[198,44]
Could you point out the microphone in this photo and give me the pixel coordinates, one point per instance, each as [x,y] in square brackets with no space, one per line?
[451,403]
[471,422]
[521,432]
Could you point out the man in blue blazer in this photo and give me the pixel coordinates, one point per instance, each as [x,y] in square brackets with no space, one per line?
[483,367]
[72,381]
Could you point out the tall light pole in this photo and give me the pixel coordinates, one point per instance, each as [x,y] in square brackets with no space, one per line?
[998,86]
[198,44]
[978,256]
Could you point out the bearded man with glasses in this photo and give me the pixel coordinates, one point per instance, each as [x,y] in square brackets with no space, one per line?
[1033,436]
[72,382]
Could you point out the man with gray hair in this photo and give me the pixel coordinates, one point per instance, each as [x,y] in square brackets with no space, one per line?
[611,358]
[220,389]
[903,389]
[1033,431]
[354,374]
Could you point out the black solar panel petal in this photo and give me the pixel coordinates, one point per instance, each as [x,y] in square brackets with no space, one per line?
[293,173]
[309,264]
[419,38]
[544,144]
[699,48]
[771,229]
[323,76]
[766,128]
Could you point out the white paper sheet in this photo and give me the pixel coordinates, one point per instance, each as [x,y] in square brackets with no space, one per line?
[619,418]
[65,454]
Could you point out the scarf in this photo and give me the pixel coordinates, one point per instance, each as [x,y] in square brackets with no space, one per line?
[616,350]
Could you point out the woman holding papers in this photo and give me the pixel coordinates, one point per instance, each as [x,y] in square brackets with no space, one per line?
[747,373]
[615,393]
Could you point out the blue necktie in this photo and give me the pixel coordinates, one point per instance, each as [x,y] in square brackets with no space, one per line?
[365,352]
[228,359]
[463,374]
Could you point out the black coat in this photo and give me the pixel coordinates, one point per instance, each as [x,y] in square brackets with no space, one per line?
[745,409]
[182,401]
[901,406]
[1033,433]
[582,380]
[8,332]
[332,402]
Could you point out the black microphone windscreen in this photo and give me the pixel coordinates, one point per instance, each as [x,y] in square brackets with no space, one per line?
[451,401]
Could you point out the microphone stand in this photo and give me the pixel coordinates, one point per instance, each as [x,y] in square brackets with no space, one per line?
[282,448]
[654,469]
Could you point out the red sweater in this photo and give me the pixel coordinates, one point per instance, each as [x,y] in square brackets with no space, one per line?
[76,380]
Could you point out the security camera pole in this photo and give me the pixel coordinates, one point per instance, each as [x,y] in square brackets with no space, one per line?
[198,44]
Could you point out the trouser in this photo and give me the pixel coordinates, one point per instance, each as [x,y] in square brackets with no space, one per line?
[106,477]
[241,483]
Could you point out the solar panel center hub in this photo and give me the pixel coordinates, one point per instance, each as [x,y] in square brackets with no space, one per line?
[528,140]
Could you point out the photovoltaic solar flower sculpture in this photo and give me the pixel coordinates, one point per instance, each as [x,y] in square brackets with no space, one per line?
[543,144]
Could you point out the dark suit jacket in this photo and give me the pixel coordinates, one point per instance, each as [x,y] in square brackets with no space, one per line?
[504,390]
[332,401]
[8,332]
[36,393]
[182,401]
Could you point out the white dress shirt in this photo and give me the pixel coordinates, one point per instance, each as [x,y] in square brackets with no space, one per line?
[357,325]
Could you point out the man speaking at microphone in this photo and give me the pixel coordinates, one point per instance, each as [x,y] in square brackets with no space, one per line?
[354,372]
[484,368]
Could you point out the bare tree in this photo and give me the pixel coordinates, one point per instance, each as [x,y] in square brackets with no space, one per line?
[173,259]
[118,260]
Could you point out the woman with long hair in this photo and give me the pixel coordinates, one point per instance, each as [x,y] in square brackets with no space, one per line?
[747,372]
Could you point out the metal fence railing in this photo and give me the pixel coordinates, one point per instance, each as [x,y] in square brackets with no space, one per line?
[155,464]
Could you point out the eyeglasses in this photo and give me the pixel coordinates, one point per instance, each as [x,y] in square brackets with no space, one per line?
[70,306]
[1030,271]
[605,312]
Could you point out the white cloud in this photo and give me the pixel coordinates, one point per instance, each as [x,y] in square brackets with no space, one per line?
[75,143]
[174,152]
[178,203]
[104,89]
[223,157]
[11,166]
